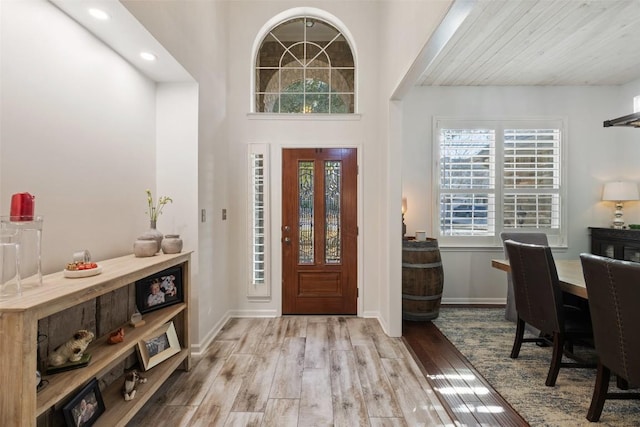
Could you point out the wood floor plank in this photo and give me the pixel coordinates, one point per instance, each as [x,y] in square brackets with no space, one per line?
[388,348]
[316,408]
[234,329]
[248,343]
[276,329]
[376,389]
[244,419]
[362,372]
[316,354]
[359,331]
[468,384]
[437,370]
[388,422]
[418,408]
[281,413]
[439,359]
[419,375]
[191,387]
[168,415]
[254,393]
[287,381]
[297,326]
[338,334]
[348,402]
[217,403]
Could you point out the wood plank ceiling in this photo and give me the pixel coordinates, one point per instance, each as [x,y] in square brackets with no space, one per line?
[542,42]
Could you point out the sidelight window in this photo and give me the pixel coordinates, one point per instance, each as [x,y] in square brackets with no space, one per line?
[258,221]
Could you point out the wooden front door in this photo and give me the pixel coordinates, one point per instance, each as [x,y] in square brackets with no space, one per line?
[319,231]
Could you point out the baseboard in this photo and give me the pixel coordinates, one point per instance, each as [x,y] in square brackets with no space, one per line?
[197,349]
[253,313]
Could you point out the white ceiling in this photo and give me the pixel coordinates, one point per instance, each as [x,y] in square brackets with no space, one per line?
[541,42]
[125,35]
[500,42]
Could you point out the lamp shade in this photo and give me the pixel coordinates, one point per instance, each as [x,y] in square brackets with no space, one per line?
[404,205]
[620,191]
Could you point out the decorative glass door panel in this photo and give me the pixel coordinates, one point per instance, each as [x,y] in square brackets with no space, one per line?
[332,170]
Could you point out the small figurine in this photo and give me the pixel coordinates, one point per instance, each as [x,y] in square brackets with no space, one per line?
[131,382]
[72,350]
[116,337]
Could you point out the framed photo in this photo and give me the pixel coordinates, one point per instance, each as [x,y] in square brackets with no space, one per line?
[85,407]
[162,345]
[160,290]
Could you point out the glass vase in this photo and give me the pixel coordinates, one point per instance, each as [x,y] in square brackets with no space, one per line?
[28,235]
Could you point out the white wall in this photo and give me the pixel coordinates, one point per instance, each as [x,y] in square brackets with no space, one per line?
[177,146]
[195,33]
[78,132]
[405,28]
[87,134]
[213,40]
[593,157]
[246,19]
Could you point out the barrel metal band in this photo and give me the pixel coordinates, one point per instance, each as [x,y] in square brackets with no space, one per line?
[420,249]
[421,298]
[429,265]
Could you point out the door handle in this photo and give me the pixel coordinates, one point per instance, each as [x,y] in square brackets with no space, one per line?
[287,240]
[286,228]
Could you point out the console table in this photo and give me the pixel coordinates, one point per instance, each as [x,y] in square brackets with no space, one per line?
[113,290]
[616,243]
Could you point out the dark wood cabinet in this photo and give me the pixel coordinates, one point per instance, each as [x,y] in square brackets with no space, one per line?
[616,243]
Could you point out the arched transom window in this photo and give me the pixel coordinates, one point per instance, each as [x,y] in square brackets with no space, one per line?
[305,65]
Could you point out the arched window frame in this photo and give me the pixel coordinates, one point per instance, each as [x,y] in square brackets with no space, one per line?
[301,12]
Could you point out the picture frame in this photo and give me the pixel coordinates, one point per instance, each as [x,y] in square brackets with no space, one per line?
[85,407]
[159,290]
[159,347]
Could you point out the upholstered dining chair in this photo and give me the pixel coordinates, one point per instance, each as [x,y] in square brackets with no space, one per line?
[613,287]
[539,303]
[522,237]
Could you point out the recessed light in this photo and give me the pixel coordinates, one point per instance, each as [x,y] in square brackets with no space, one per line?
[99,14]
[147,56]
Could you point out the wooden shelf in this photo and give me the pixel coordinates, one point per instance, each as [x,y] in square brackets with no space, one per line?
[103,357]
[119,411]
[20,404]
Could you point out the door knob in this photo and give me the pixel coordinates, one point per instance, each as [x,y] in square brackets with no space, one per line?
[286,228]
[287,240]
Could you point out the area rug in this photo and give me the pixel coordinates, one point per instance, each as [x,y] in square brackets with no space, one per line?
[485,338]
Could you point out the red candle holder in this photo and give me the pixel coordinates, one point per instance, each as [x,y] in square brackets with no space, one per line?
[22,207]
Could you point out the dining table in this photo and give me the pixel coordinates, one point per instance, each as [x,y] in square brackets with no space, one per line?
[569,275]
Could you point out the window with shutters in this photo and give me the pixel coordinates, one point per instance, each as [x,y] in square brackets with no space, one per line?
[495,176]
[258,221]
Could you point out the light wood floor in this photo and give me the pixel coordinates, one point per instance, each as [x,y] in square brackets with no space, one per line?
[298,371]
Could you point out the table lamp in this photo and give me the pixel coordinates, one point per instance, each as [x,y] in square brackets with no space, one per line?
[619,192]
[404,210]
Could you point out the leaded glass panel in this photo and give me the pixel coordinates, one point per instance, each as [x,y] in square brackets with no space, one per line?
[305,212]
[332,187]
[299,56]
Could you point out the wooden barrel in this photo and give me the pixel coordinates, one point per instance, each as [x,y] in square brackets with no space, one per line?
[422,279]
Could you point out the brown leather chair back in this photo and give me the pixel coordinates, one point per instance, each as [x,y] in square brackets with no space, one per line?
[524,237]
[613,287]
[535,284]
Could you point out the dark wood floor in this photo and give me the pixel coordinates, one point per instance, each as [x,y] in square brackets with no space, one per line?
[466,396]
